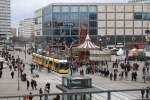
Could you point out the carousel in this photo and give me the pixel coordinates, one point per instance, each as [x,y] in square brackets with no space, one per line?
[84,49]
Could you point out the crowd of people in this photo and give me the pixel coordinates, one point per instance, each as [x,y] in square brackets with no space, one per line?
[16,65]
[116,70]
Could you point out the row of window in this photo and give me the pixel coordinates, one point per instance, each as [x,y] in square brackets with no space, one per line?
[74,8]
[123,24]
[121,31]
[141,16]
[123,8]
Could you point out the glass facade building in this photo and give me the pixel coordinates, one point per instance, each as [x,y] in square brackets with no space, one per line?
[63,23]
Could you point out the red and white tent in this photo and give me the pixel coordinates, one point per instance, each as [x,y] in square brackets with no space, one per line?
[87,44]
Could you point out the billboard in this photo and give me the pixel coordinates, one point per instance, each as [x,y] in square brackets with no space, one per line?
[98,55]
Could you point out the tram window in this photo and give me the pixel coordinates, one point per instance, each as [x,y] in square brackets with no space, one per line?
[64,65]
[56,65]
[50,62]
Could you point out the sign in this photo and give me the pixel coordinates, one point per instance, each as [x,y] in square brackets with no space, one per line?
[98,55]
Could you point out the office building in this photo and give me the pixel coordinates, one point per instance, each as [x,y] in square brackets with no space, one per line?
[26,28]
[4,19]
[113,24]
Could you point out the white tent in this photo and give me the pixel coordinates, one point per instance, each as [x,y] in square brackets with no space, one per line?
[120,52]
[88,44]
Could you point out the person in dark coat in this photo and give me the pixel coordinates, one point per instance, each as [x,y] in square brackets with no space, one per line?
[147,92]
[111,76]
[115,76]
[32,84]
[35,84]
[28,84]
[142,93]
[12,74]
[48,86]
[1,72]
[40,92]
[30,96]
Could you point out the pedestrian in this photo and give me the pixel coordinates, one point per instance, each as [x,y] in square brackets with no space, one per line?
[40,92]
[30,96]
[147,69]
[35,84]
[1,72]
[147,92]
[143,70]
[57,97]
[111,76]
[28,84]
[12,74]
[144,78]
[126,74]
[142,92]
[10,67]
[32,84]
[115,76]
[48,86]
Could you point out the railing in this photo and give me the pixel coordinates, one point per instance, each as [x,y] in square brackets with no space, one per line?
[50,96]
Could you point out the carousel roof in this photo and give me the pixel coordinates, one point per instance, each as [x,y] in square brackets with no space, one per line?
[87,44]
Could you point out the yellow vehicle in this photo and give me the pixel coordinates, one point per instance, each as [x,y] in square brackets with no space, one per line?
[57,65]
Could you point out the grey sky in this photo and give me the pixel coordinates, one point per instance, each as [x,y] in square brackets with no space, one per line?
[22,9]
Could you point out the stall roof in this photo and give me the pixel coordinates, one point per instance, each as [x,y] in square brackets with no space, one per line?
[88,44]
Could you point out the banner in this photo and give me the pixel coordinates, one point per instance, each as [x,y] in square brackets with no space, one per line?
[98,55]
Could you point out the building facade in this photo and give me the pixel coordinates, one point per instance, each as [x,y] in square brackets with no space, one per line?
[26,28]
[112,24]
[64,23]
[4,19]
[139,1]
[38,23]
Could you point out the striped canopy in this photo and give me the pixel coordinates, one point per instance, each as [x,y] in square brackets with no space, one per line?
[87,44]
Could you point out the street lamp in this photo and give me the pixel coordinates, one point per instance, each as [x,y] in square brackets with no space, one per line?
[71,56]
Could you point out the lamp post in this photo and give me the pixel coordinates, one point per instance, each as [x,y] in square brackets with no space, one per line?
[71,65]
[18,72]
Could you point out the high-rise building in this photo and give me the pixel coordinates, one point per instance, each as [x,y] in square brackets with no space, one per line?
[139,1]
[26,28]
[4,19]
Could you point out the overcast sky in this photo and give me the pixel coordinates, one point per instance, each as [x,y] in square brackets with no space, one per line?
[22,9]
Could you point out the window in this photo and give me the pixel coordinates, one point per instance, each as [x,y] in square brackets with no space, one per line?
[92,16]
[93,24]
[83,9]
[92,9]
[141,16]
[65,9]
[56,9]
[74,9]
[137,16]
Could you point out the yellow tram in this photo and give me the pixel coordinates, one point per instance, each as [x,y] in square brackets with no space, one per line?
[57,65]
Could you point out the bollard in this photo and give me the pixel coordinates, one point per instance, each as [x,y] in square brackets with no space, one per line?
[108,95]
